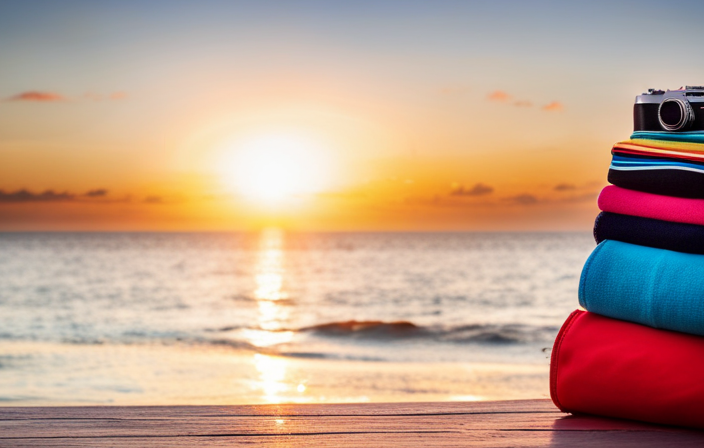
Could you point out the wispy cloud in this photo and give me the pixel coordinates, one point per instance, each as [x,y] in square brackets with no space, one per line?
[570,198]
[499,96]
[92,196]
[24,195]
[565,187]
[523,199]
[518,200]
[479,189]
[168,199]
[118,96]
[555,106]
[96,193]
[34,95]
[49,97]
[27,196]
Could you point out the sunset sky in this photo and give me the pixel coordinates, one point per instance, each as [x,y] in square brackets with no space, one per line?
[362,115]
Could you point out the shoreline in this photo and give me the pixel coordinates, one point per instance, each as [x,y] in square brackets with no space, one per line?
[51,374]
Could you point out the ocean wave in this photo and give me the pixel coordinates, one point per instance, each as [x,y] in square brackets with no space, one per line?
[512,333]
[366,328]
[498,333]
[362,331]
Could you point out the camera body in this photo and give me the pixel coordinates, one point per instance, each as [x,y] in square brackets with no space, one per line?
[670,111]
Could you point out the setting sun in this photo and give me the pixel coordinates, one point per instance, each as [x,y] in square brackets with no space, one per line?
[274,167]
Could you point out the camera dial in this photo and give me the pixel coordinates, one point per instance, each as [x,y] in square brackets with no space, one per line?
[675,114]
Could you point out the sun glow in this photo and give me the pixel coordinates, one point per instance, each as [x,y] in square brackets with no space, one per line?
[275,167]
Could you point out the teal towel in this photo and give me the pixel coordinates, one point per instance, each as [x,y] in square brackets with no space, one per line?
[654,287]
[687,137]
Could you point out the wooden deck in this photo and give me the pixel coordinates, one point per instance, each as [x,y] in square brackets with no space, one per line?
[487,424]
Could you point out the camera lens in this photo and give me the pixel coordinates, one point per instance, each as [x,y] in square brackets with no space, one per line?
[675,114]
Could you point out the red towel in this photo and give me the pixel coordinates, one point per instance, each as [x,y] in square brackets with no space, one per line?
[647,205]
[613,368]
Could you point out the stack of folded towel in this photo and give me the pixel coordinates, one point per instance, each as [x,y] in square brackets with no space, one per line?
[638,350]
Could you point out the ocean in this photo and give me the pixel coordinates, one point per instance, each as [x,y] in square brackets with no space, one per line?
[275,317]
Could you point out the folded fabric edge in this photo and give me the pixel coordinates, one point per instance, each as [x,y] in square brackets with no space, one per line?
[581,295]
[675,184]
[656,168]
[596,226]
[602,193]
[630,148]
[554,357]
[650,205]
[696,144]
[668,136]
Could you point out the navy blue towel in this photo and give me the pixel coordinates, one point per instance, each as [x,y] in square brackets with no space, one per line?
[688,238]
[665,182]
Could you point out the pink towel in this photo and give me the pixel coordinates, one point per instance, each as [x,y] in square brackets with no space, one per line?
[647,205]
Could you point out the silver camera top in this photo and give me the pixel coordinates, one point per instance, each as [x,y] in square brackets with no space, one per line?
[676,110]
[691,93]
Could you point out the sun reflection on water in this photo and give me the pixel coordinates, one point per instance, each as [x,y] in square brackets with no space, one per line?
[272,318]
[269,279]
[272,375]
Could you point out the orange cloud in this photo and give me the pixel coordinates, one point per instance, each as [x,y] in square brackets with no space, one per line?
[28,196]
[171,199]
[96,193]
[499,96]
[503,97]
[34,95]
[478,189]
[523,199]
[555,106]
[24,195]
[565,187]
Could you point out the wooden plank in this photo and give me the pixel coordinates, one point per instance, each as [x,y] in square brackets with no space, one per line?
[272,425]
[489,439]
[441,408]
[304,425]
[489,424]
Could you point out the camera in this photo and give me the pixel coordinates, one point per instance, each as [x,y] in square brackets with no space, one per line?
[671,110]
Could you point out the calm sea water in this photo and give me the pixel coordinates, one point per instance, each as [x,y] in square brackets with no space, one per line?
[273,316]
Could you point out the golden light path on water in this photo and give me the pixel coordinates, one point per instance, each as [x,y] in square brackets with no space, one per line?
[273,314]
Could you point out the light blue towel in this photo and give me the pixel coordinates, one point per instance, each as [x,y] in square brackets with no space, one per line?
[688,137]
[654,287]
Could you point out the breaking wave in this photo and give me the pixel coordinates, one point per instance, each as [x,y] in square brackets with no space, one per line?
[378,330]
[475,333]
[365,328]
